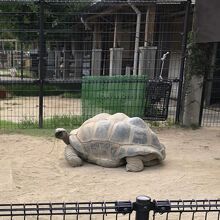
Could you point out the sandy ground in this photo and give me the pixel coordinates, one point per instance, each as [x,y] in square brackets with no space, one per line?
[33,169]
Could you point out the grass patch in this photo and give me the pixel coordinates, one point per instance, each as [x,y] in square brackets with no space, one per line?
[21,125]
[32,90]
[26,73]
[162,124]
[75,95]
[32,132]
[48,90]
[63,121]
[28,124]
[31,127]
[7,124]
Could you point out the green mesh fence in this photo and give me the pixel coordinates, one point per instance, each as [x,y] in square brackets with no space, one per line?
[112,94]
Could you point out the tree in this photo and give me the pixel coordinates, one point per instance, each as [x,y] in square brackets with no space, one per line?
[21,20]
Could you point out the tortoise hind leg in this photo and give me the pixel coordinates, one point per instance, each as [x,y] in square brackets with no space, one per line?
[150,160]
[71,156]
[134,164]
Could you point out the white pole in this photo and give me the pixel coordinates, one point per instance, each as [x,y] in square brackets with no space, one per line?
[137,38]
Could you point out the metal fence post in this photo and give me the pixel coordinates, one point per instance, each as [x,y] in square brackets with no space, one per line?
[41,61]
[184,44]
[142,206]
[22,61]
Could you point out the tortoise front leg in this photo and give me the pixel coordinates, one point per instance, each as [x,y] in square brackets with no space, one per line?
[72,157]
[134,164]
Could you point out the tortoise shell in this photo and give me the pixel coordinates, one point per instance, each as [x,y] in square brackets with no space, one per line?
[109,138]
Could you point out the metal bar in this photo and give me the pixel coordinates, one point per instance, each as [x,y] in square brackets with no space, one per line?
[61,209]
[180,206]
[12,58]
[42,61]
[22,60]
[202,98]
[184,44]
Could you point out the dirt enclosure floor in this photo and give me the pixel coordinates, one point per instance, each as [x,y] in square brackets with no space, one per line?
[33,169]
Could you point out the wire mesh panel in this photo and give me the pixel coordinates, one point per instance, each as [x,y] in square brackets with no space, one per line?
[76,210]
[211,89]
[157,99]
[211,115]
[188,209]
[161,209]
[62,104]
[19,104]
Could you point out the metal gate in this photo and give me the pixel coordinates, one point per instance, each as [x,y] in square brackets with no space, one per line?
[47,46]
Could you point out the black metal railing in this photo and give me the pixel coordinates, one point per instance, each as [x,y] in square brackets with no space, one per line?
[143,208]
[65,209]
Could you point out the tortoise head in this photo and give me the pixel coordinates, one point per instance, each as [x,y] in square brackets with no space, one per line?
[61,133]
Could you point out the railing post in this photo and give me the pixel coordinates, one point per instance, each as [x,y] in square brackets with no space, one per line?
[41,61]
[22,61]
[142,206]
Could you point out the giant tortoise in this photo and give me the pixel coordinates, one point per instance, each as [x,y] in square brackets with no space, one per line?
[111,141]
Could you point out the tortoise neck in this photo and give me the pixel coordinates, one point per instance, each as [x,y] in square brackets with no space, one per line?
[66,138]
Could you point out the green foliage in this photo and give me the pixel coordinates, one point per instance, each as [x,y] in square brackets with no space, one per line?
[76,95]
[65,121]
[49,90]
[26,73]
[198,63]
[21,125]
[168,123]
[28,124]
[20,17]
[198,56]
[31,131]
[7,124]
[25,16]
